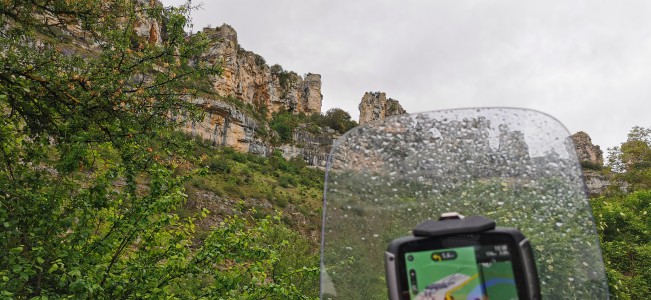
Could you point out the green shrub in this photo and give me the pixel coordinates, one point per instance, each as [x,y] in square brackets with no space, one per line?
[220,165]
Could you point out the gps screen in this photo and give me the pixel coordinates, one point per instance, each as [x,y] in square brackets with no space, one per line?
[476,272]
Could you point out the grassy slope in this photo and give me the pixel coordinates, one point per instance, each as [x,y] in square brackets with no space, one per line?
[256,187]
[245,184]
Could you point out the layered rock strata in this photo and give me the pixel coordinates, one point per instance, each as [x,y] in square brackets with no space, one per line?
[247,77]
[592,161]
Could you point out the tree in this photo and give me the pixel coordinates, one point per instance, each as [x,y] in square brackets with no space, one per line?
[638,133]
[631,161]
[335,118]
[339,120]
[90,161]
[284,123]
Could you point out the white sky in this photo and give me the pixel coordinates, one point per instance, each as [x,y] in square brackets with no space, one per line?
[585,62]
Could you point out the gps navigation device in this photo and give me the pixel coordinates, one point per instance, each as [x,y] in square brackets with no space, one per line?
[461,258]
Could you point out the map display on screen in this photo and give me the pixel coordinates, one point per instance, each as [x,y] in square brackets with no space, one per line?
[472,273]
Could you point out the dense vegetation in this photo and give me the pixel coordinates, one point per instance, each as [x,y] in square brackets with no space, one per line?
[101,197]
[623,216]
[92,198]
[286,123]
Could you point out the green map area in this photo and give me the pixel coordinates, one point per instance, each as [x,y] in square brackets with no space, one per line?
[436,276]
[456,273]
[498,279]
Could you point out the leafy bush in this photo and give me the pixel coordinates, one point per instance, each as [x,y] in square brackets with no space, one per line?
[219,165]
[624,224]
[588,165]
[334,118]
[284,123]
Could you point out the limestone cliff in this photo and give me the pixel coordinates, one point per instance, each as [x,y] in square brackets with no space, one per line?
[591,158]
[247,77]
[376,106]
[225,125]
[586,151]
[240,101]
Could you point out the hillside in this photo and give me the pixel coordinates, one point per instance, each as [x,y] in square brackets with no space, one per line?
[139,161]
[102,196]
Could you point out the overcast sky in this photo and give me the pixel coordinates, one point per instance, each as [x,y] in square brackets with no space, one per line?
[587,63]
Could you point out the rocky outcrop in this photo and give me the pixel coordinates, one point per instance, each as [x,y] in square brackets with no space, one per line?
[596,182]
[247,77]
[586,151]
[226,125]
[376,106]
[591,158]
[247,81]
[148,28]
[312,147]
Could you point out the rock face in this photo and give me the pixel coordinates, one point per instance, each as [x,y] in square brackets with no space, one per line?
[586,151]
[591,158]
[146,27]
[225,125]
[247,77]
[596,182]
[311,147]
[376,106]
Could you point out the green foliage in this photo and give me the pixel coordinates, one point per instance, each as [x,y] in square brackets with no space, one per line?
[287,184]
[285,78]
[623,216]
[259,60]
[588,165]
[251,260]
[284,123]
[335,118]
[624,223]
[93,174]
[638,133]
[631,162]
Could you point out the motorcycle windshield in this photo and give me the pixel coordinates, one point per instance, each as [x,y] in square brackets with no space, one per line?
[517,167]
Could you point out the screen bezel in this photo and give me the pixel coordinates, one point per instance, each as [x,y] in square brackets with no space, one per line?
[456,241]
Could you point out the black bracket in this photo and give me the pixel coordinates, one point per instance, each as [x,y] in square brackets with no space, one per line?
[454,224]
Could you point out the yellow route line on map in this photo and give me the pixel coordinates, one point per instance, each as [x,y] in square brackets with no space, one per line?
[447,295]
